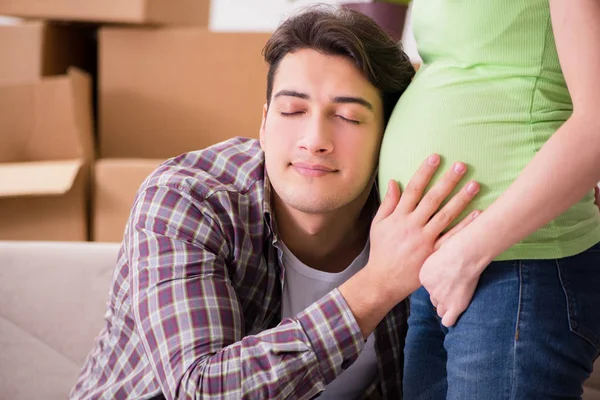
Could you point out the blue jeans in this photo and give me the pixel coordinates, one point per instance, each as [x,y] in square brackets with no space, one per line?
[532,331]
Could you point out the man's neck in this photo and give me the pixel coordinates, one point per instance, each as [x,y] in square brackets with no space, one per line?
[327,242]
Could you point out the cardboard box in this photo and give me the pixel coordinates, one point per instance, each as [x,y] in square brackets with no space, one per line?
[116,183]
[45,150]
[31,50]
[184,12]
[168,91]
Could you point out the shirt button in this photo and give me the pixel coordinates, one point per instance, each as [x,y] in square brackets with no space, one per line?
[346,364]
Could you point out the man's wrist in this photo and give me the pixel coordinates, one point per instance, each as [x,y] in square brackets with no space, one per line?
[370,298]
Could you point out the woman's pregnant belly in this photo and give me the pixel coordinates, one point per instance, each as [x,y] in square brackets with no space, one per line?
[493,122]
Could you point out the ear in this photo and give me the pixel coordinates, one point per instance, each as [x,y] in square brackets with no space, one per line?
[262,133]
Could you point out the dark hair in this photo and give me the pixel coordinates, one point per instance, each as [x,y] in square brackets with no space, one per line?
[336,30]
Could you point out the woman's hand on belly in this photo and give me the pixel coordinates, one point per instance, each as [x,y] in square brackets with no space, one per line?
[450,278]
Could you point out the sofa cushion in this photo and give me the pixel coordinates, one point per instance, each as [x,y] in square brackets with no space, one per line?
[52,299]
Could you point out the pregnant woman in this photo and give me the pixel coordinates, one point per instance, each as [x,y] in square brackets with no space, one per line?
[510,306]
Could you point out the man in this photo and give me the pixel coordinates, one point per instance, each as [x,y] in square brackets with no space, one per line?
[246,271]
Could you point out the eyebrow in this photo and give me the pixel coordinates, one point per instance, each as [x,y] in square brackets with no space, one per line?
[356,100]
[292,93]
[337,100]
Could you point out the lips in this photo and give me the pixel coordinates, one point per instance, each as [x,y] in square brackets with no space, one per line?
[313,170]
[315,167]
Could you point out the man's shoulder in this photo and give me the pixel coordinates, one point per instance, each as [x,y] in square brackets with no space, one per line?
[235,165]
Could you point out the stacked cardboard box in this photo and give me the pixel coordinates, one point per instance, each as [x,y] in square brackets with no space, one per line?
[166,85]
[167,91]
[163,92]
[31,50]
[45,157]
[179,12]
[46,148]
[116,182]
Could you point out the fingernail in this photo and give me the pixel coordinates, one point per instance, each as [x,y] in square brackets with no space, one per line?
[459,168]
[434,159]
[472,188]
[475,214]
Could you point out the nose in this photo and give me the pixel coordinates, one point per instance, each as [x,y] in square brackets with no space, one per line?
[318,138]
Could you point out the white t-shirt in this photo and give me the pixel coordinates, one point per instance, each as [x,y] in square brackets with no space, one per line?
[302,287]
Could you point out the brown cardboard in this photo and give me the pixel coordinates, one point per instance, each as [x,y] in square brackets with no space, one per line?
[31,50]
[163,92]
[177,12]
[45,151]
[116,182]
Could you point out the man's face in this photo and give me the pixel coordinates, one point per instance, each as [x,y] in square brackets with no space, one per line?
[321,132]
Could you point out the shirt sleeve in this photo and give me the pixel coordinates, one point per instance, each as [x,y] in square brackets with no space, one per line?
[191,324]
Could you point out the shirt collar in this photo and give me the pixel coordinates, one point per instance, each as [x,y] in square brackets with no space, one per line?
[268,214]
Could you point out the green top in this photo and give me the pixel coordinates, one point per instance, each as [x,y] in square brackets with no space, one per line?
[490,93]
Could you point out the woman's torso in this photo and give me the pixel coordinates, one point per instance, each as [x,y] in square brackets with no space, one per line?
[490,93]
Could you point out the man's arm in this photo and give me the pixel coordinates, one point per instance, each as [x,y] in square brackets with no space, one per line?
[191,323]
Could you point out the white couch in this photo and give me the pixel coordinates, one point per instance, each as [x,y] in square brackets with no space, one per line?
[52,299]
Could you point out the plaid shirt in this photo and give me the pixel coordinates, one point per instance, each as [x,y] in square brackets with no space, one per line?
[195,304]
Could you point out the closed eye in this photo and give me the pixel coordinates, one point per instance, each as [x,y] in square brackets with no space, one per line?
[290,114]
[348,120]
